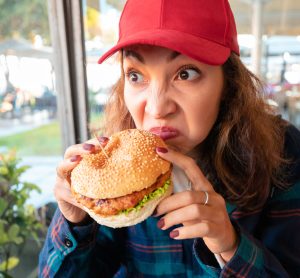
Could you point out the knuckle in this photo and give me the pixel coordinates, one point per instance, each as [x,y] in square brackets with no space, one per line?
[219,199]
[206,228]
[190,162]
[71,150]
[197,209]
[68,150]
[190,197]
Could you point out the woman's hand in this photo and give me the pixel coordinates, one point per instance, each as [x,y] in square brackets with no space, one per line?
[69,207]
[209,221]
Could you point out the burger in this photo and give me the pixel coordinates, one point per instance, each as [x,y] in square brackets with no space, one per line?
[122,184]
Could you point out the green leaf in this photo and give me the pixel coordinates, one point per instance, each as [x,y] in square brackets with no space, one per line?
[3,238]
[3,171]
[22,169]
[13,232]
[32,187]
[3,205]
[10,264]
[18,240]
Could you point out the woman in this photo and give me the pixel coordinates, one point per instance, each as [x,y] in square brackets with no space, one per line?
[183,80]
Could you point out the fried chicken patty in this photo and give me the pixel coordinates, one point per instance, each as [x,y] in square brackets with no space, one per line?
[113,206]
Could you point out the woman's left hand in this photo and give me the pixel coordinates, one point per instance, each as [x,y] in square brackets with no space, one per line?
[209,221]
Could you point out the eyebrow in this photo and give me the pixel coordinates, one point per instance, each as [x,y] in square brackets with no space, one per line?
[140,58]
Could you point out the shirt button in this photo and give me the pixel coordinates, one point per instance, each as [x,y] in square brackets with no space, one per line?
[68,243]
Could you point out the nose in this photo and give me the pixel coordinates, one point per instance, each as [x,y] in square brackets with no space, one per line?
[159,103]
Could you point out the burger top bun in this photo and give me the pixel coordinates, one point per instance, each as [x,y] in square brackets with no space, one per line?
[131,164]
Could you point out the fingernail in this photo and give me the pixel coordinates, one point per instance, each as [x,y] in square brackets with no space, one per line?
[174,234]
[75,158]
[161,223]
[161,150]
[88,147]
[103,139]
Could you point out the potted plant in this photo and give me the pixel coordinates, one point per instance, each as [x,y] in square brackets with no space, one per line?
[18,220]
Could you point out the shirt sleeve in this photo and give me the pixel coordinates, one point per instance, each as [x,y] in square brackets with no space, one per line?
[78,251]
[274,250]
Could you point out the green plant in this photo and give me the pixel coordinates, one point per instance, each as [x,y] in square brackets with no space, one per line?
[18,220]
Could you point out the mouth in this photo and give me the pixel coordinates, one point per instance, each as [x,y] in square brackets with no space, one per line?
[165,132]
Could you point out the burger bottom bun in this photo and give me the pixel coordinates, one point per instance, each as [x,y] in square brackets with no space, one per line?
[132,218]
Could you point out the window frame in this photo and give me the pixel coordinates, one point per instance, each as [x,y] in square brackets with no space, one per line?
[67,33]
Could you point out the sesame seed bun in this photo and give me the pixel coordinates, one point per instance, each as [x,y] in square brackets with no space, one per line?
[129,164]
[132,165]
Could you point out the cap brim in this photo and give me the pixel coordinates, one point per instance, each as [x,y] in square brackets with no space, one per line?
[197,48]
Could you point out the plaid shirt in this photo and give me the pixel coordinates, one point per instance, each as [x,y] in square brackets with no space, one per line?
[269,243]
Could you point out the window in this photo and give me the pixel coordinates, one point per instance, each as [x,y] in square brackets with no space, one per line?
[28,107]
[101,32]
[273,52]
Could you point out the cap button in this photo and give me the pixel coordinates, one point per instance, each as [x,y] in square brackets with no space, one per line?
[68,243]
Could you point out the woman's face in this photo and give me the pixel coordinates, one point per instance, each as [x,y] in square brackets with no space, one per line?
[172,95]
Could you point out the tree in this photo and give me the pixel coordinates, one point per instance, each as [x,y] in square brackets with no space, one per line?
[118,4]
[24,18]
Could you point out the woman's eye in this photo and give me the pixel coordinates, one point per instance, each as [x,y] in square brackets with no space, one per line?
[135,77]
[188,74]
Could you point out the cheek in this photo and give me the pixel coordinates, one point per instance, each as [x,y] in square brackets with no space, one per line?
[135,105]
[201,117]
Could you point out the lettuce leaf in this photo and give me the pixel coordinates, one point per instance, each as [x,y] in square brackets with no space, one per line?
[153,195]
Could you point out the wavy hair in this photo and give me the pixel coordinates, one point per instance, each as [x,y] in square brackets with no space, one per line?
[243,153]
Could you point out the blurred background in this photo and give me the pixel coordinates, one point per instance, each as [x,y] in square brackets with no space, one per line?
[52,93]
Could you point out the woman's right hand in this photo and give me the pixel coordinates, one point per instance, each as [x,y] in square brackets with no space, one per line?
[67,204]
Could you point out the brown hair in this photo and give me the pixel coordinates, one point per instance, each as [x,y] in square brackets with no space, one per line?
[242,155]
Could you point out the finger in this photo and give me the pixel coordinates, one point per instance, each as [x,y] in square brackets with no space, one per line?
[199,230]
[65,168]
[90,146]
[188,213]
[189,166]
[190,223]
[97,141]
[64,194]
[183,199]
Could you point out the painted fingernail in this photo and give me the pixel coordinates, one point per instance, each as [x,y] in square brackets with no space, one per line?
[103,139]
[88,147]
[174,234]
[75,158]
[161,223]
[161,149]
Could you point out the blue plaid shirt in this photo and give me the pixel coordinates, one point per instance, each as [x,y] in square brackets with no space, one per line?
[269,243]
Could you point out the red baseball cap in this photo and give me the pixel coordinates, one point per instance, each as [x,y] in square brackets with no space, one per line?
[204,30]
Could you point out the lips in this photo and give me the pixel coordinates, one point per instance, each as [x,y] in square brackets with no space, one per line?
[165,132]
